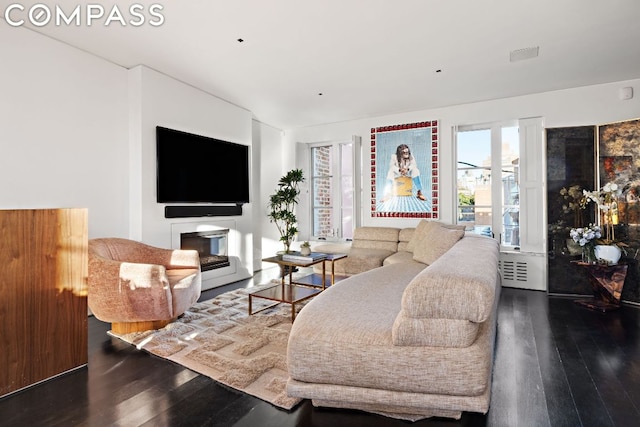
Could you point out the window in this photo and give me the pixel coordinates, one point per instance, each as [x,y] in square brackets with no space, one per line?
[488,192]
[334,190]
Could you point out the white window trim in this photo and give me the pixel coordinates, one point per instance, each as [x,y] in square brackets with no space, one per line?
[532,180]
[336,183]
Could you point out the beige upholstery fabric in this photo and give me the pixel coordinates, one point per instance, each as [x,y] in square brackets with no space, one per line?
[133,282]
[342,350]
[358,261]
[400,256]
[418,233]
[355,348]
[385,238]
[455,300]
[370,247]
[332,248]
[404,238]
[433,240]
[383,234]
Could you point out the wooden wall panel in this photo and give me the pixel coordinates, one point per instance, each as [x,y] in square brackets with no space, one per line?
[43,294]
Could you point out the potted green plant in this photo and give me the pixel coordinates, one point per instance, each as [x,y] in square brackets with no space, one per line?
[282,204]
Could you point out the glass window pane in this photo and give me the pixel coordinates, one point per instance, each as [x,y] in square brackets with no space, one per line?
[332,165]
[321,159]
[322,192]
[476,218]
[474,148]
[474,177]
[346,154]
[322,222]
[347,223]
[510,226]
[510,186]
[347,191]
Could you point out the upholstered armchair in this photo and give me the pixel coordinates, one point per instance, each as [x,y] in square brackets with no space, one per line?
[138,287]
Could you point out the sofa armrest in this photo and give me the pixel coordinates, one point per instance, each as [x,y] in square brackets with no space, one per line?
[445,303]
[455,295]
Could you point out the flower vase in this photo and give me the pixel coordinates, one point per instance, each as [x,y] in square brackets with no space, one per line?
[588,254]
[610,254]
[573,247]
[305,250]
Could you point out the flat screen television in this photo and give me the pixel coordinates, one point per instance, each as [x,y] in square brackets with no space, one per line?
[198,169]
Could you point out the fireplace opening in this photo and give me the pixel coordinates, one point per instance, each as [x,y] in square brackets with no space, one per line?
[211,245]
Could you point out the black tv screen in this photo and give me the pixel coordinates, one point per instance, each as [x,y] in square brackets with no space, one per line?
[199,169]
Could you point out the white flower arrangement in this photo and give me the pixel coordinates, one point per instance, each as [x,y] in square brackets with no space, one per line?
[606,199]
[585,236]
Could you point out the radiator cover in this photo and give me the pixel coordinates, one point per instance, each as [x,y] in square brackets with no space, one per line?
[523,270]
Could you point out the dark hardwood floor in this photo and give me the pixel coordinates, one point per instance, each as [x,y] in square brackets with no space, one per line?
[556,364]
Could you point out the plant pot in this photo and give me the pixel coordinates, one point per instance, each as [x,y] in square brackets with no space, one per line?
[608,253]
[305,250]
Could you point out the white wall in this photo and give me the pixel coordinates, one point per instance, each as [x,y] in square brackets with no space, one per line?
[573,107]
[63,131]
[158,100]
[267,170]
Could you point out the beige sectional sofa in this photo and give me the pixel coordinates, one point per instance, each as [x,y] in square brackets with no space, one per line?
[410,339]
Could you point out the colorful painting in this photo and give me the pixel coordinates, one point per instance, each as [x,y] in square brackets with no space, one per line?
[619,162]
[404,171]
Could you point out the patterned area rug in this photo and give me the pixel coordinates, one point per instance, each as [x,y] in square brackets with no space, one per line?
[218,338]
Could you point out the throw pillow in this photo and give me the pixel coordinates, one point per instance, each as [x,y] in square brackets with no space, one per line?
[435,242]
[419,234]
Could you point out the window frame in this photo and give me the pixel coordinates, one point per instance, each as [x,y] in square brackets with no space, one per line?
[336,176]
[498,203]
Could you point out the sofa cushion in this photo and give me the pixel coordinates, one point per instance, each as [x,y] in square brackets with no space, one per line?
[400,256]
[332,248]
[433,240]
[383,234]
[418,234]
[376,238]
[404,238]
[361,259]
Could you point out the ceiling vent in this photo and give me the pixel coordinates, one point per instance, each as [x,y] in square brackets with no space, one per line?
[525,53]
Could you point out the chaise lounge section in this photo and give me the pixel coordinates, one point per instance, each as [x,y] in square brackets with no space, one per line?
[408,340]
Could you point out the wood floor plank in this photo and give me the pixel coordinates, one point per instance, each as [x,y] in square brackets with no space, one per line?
[531,404]
[561,408]
[504,391]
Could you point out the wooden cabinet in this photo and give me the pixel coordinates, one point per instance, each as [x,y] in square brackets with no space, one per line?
[43,295]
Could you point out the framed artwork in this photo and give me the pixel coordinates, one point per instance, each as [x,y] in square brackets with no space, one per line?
[404,171]
[619,162]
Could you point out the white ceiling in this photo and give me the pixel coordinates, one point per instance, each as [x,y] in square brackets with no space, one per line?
[368,57]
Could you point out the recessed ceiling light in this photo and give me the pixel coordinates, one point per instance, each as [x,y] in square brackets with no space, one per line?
[525,53]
